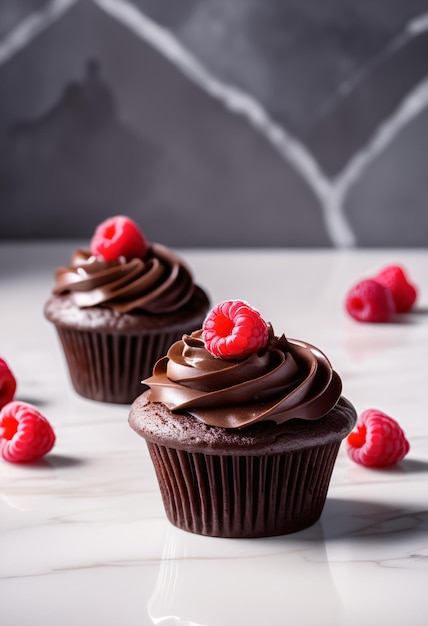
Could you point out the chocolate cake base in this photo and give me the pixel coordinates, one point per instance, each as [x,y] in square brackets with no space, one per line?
[261,481]
[109,353]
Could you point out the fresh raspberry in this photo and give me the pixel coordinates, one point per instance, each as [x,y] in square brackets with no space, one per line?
[7,383]
[369,301]
[403,291]
[233,330]
[377,440]
[118,236]
[25,434]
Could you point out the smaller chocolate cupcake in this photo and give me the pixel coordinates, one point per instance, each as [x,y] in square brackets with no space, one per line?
[118,306]
[243,427]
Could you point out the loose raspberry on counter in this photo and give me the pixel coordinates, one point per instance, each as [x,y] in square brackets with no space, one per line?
[7,384]
[25,434]
[403,291]
[119,236]
[377,440]
[234,330]
[369,301]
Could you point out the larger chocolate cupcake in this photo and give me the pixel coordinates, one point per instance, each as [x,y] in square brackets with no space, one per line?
[243,427]
[118,306]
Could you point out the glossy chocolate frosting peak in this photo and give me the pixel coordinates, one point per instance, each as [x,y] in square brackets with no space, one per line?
[285,380]
[159,283]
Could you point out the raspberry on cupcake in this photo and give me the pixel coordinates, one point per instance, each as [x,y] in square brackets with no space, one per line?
[119,236]
[233,330]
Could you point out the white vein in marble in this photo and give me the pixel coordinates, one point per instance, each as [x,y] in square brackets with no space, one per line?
[32,26]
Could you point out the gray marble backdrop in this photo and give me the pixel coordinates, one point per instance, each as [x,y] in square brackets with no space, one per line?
[216,122]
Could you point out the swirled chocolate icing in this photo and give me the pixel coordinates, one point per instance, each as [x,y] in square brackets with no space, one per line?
[159,283]
[285,380]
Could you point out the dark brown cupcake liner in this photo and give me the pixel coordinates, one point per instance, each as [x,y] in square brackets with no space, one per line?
[110,367]
[109,353]
[244,496]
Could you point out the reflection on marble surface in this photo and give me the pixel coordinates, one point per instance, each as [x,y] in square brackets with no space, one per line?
[239,583]
[83,534]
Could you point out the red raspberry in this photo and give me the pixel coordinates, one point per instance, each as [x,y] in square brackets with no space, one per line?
[118,236]
[233,330]
[7,383]
[369,301]
[404,293]
[377,440]
[25,434]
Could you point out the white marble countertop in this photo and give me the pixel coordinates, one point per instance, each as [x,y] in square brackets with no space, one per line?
[83,535]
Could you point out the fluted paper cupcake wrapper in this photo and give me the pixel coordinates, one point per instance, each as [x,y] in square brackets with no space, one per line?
[110,367]
[238,496]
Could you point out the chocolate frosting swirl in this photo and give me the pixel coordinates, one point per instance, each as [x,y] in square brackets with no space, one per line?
[288,379]
[159,283]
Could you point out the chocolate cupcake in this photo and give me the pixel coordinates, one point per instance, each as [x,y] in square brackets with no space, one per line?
[243,427]
[118,306]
